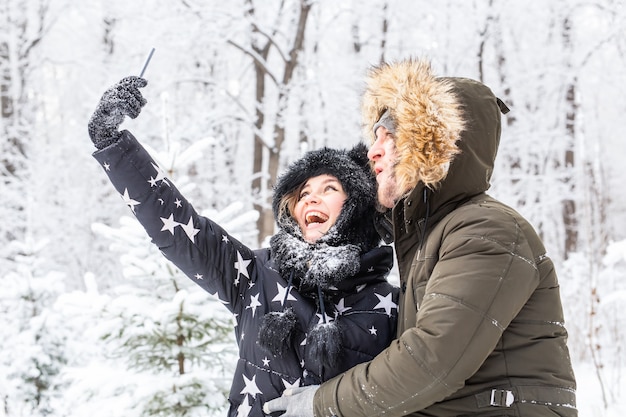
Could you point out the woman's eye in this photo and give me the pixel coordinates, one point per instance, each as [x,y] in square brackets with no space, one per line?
[303,194]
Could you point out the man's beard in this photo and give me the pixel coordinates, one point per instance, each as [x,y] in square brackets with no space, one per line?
[387,192]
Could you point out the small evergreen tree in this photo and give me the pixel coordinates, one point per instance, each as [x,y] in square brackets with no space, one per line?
[164,327]
[32,344]
[175,339]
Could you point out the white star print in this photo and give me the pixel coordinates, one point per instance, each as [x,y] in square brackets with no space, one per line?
[374,331]
[224,238]
[386,303]
[244,408]
[341,308]
[266,362]
[189,229]
[282,291]
[178,203]
[199,277]
[326,319]
[169,224]
[129,201]
[287,385]
[160,175]
[107,166]
[242,266]
[254,303]
[251,387]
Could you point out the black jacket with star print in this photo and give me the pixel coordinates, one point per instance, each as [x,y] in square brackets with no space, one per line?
[248,283]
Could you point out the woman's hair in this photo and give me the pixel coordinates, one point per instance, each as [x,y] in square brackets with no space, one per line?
[288,201]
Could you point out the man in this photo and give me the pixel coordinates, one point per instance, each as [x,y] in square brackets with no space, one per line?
[480,326]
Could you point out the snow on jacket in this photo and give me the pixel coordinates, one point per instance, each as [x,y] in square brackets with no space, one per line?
[248,283]
[480,326]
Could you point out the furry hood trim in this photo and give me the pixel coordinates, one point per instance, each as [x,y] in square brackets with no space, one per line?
[355,224]
[447,129]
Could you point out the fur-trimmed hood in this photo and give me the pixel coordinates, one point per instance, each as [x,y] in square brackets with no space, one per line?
[447,129]
[355,224]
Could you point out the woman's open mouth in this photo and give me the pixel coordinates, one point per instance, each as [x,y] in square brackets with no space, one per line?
[315,217]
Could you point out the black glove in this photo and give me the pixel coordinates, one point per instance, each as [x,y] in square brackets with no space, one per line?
[122,99]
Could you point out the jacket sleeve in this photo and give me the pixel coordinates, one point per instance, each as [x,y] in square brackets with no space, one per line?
[484,275]
[195,244]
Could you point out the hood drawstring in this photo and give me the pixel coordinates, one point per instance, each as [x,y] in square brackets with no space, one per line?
[425,201]
[289,285]
[324,341]
[321,298]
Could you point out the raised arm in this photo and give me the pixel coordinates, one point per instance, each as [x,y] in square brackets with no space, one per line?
[195,244]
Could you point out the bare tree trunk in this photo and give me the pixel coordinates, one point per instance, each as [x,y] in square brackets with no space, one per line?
[263,182]
[259,146]
[569,204]
[384,32]
[20,34]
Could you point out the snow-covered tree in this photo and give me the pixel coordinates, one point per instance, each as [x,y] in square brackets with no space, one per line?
[559,65]
[31,340]
[23,27]
[164,328]
[159,325]
[596,292]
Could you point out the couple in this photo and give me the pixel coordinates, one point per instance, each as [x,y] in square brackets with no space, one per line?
[479,318]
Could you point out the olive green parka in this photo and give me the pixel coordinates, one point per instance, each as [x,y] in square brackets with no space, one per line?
[481,328]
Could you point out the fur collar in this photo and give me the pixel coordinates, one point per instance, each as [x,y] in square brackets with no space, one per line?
[313,265]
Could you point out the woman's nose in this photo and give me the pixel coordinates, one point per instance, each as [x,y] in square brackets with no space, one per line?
[312,198]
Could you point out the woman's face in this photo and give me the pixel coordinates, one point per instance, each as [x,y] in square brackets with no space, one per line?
[319,205]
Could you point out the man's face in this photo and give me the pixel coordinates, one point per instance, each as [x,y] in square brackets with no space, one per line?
[383,155]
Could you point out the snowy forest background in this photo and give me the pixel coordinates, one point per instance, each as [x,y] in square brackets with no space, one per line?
[94,321]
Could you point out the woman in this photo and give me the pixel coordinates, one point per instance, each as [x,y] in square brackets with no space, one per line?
[313,304]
